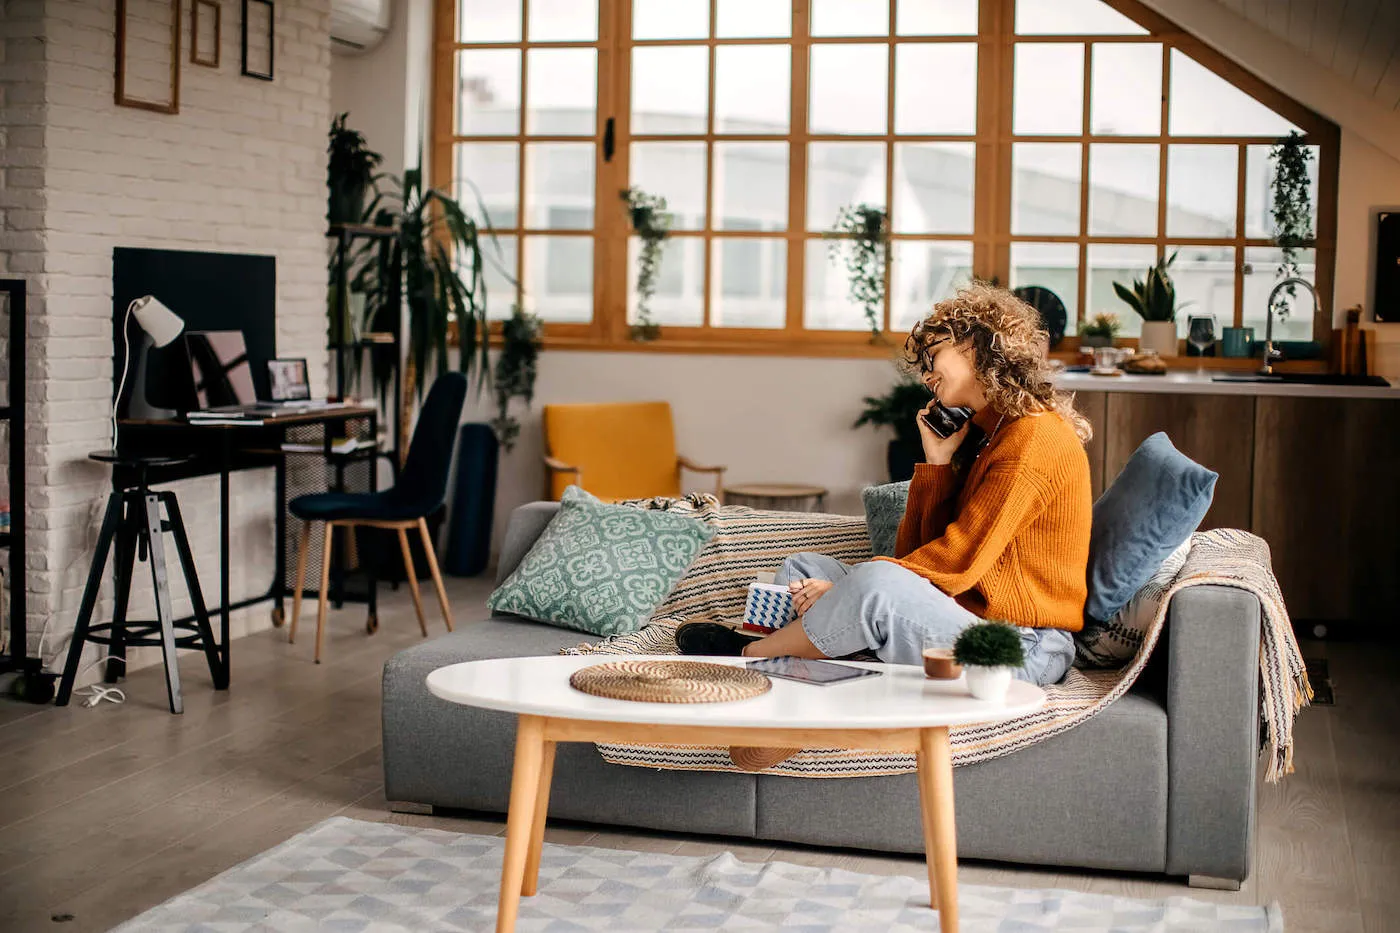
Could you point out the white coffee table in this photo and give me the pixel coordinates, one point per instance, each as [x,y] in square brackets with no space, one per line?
[900,711]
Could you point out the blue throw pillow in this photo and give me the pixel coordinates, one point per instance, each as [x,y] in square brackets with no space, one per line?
[884,510]
[1150,509]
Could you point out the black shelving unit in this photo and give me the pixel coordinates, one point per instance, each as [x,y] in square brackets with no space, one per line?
[17,658]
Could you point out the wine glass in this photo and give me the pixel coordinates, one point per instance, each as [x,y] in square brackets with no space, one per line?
[1200,333]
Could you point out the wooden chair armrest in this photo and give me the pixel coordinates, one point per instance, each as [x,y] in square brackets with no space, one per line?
[691,465]
[559,466]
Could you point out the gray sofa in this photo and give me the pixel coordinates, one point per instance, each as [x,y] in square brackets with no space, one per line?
[1162,781]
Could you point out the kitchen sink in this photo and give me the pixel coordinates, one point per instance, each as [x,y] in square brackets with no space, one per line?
[1316,379]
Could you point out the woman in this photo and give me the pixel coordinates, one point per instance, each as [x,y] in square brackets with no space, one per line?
[997,522]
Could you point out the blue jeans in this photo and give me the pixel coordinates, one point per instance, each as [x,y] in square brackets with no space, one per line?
[885,608]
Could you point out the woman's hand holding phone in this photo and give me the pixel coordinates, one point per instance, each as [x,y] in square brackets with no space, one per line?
[939,450]
[807,592]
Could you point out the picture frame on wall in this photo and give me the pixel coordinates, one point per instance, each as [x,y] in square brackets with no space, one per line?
[259,39]
[148,82]
[206,32]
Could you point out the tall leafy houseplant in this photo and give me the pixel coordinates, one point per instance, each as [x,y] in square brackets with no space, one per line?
[862,237]
[1292,204]
[515,371]
[1153,297]
[432,269]
[897,409]
[650,221]
[350,172]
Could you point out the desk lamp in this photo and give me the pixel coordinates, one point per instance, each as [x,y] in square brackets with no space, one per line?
[159,326]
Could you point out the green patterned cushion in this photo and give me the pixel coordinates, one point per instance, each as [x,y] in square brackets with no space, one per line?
[601,568]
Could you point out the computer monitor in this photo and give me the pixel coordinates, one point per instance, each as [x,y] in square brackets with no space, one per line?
[220,368]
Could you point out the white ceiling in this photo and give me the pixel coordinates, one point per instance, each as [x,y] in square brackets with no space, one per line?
[1358,40]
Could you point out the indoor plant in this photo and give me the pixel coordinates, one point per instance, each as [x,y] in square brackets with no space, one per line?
[1099,330]
[989,652]
[1292,205]
[862,234]
[650,221]
[515,371]
[349,173]
[897,409]
[1153,297]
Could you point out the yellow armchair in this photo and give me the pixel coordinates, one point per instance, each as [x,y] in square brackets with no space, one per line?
[624,450]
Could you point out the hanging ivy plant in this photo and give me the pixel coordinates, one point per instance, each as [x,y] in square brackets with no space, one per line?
[862,237]
[1292,204]
[516,367]
[652,224]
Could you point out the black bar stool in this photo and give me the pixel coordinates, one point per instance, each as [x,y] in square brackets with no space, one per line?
[133,521]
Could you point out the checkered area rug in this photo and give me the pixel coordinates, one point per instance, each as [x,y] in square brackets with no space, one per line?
[352,876]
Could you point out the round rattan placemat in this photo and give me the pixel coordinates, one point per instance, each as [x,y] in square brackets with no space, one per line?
[670,682]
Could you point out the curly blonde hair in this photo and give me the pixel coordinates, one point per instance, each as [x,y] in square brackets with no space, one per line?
[1008,347]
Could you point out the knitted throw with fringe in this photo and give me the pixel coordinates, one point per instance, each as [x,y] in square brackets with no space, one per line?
[748,541]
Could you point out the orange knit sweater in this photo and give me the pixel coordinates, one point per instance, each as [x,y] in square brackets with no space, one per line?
[1009,538]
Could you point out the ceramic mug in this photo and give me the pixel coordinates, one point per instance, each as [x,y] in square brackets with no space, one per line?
[1237,341]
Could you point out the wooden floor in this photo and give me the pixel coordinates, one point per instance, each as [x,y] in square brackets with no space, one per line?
[106,812]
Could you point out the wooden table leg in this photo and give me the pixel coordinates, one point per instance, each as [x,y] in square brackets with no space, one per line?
[532,863]
[940,831]
[524,788]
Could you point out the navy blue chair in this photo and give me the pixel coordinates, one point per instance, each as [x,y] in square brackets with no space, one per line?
[420,491]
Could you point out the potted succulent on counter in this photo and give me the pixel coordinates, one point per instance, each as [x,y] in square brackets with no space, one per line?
[1099,330]
[989,652]
[1153,297]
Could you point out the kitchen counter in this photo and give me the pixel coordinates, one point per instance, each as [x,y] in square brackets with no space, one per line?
[1189,383]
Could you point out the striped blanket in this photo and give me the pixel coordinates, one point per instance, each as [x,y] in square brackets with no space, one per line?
[748,541]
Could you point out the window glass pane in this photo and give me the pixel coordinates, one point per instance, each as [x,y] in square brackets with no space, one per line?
[1260,276]
[1259,190]
[670,89]
[850,17]
[488,20]
[1123,189]
[1201,186]
[925,271]
[752,88]
[1072,18]
[671,19]
[848,88]
[1205,104]
[1116,262]
[949,67]
[488,92]
[839,174]
[933,187]
[753,19]
[498,265]
[563,20]
[559,277]
[826,305]
[751,186]
[1053,266]
[1049,89]
[1204,277]
[489,172]
[676,172]
[563,88]
[559,186]
[936,18]
[680,282]
[1045,188]
[748,282]
[1126,99]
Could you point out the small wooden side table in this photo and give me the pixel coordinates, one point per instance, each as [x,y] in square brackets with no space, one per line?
[783,497]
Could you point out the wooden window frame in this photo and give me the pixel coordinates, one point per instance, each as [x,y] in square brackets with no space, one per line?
[991,236]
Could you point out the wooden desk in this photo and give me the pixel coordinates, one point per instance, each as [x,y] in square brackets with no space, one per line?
[224,448]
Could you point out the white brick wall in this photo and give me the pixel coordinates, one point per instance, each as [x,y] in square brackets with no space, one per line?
[239,169]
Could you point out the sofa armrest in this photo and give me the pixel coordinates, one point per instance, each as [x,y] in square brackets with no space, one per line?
[1212,730]
[527,522]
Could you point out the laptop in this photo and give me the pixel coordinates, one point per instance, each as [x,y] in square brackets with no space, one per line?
[223,378]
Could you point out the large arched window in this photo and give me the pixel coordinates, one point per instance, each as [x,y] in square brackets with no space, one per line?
[1060,143]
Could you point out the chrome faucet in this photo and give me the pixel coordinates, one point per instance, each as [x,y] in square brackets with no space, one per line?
[1268,368]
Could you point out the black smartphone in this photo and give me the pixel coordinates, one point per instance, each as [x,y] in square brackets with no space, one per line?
[945,421]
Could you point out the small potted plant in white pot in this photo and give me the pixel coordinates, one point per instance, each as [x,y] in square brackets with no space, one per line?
[989,652]
[1153,297]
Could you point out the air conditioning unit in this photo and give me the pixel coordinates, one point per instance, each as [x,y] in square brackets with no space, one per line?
[358,25]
